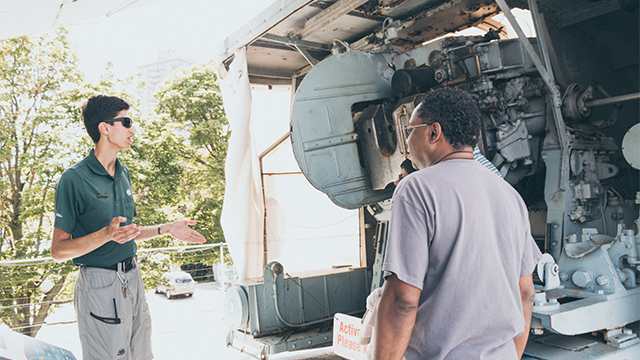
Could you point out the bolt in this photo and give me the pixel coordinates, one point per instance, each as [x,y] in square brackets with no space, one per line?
[555,226]
[564,276]
[602,280]
[554,243]
[309,342]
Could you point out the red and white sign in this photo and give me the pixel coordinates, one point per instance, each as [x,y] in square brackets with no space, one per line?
[346,329]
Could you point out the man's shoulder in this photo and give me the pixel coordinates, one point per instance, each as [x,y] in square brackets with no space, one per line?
[75,173]
[79,166]
[75,170]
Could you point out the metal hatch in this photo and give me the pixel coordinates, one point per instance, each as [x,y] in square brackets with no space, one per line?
[323,135]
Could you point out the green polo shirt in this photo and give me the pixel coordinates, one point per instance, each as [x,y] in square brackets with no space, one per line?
[87,198]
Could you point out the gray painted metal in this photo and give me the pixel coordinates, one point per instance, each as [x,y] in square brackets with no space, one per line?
[260,347]
[553,347]
[547,75]
[259,26]
[323,134]
[568,169]
[347,21]
[286,313]
[279,304]
[602,290]
[325,17]
[290,41]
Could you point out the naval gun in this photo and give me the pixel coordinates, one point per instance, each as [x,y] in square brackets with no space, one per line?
[559,121]
[598,273]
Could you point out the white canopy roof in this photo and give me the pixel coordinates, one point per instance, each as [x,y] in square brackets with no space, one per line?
[24,17]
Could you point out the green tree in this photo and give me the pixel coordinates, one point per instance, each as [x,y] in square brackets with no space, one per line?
[176,165]
[37,140]
[41,134]
[180,159]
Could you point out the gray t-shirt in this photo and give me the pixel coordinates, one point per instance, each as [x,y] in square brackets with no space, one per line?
[461,234]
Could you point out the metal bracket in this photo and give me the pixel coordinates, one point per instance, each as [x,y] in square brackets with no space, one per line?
[621,338]
[547,76]
[326,17]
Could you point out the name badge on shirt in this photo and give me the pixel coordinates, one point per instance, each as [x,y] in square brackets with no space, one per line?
[103,196]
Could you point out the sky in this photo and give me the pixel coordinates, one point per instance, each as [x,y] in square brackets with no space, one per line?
[137,35]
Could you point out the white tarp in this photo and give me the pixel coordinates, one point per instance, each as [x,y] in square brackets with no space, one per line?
[305,230]
[24,17]
[243,208]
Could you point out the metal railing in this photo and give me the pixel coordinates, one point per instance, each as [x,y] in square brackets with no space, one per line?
[24,306]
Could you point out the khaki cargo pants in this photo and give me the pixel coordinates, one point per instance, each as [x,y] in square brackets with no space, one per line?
[112,326]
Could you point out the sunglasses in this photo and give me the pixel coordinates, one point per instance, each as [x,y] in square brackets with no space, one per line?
[126,122]
[408,129]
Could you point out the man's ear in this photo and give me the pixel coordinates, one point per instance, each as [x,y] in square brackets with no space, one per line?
[436,132]
[102,128]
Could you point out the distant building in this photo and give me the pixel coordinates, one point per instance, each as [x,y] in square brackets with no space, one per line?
[155,73]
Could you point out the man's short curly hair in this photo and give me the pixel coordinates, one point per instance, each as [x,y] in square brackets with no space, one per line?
[457,113]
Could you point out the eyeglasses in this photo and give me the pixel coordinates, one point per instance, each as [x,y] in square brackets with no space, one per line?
[408,129]
[126,121]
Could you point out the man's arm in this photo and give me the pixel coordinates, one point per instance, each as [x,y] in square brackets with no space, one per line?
[527,294]
[63,247]
[395,319]
[178,229]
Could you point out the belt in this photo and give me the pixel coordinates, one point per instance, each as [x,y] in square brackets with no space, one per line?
[127,265]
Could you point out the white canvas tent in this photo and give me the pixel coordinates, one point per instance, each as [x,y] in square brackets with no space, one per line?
[303,229]
[24,17]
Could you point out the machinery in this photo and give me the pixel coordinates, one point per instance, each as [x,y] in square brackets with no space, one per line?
[559,120]
[270,312]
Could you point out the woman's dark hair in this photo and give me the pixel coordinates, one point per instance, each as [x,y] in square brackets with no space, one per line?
[98,109]
[456,112]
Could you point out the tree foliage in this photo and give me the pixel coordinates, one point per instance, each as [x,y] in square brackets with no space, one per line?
[179,165]
[179,160]
[41,134]
[176,166]
[37,74]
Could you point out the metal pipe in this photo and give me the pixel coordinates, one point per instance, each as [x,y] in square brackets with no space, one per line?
[277,308]
[266,152]
[275,305]
[612,100]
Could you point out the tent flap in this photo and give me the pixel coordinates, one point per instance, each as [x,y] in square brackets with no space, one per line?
[243,208]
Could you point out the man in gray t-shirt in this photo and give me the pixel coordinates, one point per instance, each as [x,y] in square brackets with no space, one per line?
[460,253]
